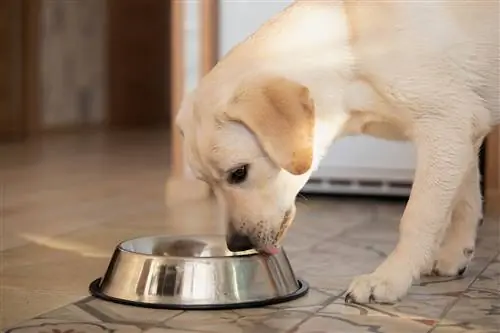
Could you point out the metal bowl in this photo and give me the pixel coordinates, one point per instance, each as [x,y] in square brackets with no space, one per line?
[195,273]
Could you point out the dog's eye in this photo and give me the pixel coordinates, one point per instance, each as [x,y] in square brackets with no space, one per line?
[238,175]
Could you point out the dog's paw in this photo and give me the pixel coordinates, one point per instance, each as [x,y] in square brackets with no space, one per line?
[378,288]
[451,262]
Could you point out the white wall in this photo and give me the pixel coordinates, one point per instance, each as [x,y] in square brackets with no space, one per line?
[239,19]
[191,44]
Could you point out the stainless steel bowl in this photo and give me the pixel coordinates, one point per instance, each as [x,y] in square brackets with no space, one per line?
[195,273]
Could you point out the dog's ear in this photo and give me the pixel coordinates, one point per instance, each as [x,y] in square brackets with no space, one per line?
[280,113]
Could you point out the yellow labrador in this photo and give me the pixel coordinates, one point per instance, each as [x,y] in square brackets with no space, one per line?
[426,71]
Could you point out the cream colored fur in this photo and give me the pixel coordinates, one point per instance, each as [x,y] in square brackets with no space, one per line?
[425,71]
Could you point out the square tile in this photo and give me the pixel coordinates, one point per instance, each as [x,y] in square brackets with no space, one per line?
[332,264]
[66,263]
[312,302]
[481,314]
[180,219]
[360,324]
[167,330]
[17,305]
[318,220]
[61,326]
[487,283]
[452,328]
[422,308]
[94,310]
[262,320]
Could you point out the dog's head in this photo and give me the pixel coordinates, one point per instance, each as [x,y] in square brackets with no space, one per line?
[255,148]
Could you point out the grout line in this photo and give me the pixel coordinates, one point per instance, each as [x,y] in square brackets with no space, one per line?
[165,322]
[328,301]
[337,236]
[452,304]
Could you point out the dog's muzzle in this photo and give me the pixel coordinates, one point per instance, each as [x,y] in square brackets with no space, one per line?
[237,242]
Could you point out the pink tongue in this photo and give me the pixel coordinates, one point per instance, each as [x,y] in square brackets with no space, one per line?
[270,249]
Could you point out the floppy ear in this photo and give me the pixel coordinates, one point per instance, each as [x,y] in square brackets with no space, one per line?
[280,113]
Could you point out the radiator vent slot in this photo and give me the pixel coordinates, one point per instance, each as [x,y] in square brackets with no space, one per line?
[339,182]
[370,183]
[357,186]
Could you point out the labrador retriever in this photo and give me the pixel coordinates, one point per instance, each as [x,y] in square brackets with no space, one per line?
[424,71]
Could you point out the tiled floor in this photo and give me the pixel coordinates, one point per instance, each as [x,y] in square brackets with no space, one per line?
[67,203]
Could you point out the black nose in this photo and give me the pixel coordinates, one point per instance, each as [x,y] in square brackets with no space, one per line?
[237,242]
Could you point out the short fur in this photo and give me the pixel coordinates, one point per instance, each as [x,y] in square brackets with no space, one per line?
[425,71]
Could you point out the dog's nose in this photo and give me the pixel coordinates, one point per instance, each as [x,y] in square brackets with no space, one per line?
[237,242]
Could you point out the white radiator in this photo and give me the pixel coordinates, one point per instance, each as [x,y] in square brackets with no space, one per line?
[365,165]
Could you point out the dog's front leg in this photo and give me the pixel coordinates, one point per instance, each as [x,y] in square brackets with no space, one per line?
[444,155]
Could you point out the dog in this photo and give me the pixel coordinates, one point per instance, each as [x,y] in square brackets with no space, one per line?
[427,72]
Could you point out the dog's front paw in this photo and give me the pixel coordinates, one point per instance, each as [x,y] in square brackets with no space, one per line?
[378,288]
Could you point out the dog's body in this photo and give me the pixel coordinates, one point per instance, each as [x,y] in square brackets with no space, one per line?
[425,71]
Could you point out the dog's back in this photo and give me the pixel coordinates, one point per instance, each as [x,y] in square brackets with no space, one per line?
[479,22]
[446,39]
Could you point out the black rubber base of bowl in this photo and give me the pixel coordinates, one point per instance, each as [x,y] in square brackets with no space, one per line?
[302,291]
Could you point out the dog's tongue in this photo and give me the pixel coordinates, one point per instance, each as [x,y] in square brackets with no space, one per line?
[270,249]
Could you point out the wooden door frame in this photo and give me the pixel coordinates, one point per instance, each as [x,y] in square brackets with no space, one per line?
[492,174]
[180,186]
[25,85]
[31,86]
[207,57]
[177,84]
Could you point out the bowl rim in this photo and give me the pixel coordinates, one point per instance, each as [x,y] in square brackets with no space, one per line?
[240,254]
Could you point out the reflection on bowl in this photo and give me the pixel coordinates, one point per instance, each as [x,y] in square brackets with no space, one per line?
[195,273]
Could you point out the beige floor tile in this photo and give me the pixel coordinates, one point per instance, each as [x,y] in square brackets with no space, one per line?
[69,262]
[332,264]
[482,314]
[67,210]
[17,304]
[360,324]
[415,307]
[312,302]
[61,184]
[61,326]
[319,220]
[95,310]
[168,330]
[263,320]
[194,217]
[487,284]
[455,329]
[65,263]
